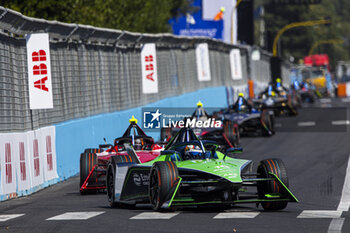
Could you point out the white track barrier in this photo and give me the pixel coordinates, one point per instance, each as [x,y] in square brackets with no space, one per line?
[28,161]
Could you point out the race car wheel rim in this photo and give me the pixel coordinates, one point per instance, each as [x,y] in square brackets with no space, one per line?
[154,188]
[110,186]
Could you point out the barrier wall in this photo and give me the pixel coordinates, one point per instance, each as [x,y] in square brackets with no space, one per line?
[27,161]
[74,136]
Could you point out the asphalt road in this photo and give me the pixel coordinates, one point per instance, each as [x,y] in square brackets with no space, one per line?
[316,162]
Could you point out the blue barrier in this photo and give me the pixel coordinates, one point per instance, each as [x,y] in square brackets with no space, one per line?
[72,137]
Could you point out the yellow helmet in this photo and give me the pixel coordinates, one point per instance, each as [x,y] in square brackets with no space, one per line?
[240,94]
[199,104]
[222,9]
[278,80]
[133,120]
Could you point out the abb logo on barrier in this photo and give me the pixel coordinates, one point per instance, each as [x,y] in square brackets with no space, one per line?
[40,69]
[8,164]
[149,67]
[36,157]
[22,161]
[49,153]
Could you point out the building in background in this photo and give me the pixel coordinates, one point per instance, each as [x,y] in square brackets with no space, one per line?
[201,22]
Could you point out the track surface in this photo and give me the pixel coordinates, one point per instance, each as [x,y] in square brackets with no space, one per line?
[316,164]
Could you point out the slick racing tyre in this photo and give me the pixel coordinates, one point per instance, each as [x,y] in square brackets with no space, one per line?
[110,180]
[163,179]
[231,131]
[276,167]
[87,163]
[92,150]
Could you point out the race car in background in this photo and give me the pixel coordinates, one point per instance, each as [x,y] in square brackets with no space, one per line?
[227,135]
[278,99]
[93,162]
[251,121]
[192,172]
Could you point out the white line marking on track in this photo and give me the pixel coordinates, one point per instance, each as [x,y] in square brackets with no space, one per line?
[345,100]
[320,214]
[325,101]
[155,215]
[344,203]
[342,122]
[278,125]
[5,217]
[236,215]
[76,215]
[306,123]
[336,225]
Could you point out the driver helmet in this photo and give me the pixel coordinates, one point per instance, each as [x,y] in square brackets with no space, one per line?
[193,152]
[270,91]
[138,145]
[278,83]
[241,102]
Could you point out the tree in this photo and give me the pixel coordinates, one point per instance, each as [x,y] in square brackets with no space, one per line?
[149,16]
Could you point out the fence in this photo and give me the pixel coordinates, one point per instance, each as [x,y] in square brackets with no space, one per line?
[97,70]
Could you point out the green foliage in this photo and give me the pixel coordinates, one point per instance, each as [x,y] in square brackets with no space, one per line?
[298,41]
[149,16]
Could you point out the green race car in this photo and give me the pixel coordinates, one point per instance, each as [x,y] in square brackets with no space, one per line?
[191,172]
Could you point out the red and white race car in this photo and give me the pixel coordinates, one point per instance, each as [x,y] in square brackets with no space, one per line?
[93,162]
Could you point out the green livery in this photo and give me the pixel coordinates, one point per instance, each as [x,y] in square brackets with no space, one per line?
[194,172]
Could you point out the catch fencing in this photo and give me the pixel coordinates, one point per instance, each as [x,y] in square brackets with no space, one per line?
[97,70]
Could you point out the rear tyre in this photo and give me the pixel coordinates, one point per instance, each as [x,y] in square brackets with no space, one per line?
[87,163]
[163,177]
[275,166]
[110,180]
[92,150]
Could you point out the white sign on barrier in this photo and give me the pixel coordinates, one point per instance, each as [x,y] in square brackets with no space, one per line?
[149,69]
[48,151]
[35,159]
[27,159]
[21,155]
[235,63]
[203,64]
[347,89]
[7,165]
[39,71]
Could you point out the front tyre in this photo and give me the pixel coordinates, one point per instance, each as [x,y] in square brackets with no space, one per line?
[110,185]
[163,178]
[275,166]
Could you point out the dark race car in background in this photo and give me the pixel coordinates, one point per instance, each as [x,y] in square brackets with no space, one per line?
[278,99]
[133,143]
[227,135]
[251,122]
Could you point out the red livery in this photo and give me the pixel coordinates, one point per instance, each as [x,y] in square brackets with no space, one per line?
[93,162]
